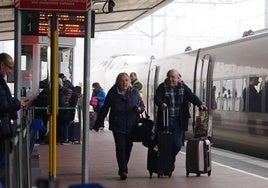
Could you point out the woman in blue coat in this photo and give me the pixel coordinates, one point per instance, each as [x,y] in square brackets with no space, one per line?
[99,93]
[125,106]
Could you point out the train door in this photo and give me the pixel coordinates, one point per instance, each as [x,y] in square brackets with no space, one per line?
[151,87]
[203,81]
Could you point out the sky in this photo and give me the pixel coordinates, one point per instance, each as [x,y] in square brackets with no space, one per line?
[170,30]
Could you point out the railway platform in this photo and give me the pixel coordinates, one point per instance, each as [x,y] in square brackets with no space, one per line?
[228,169]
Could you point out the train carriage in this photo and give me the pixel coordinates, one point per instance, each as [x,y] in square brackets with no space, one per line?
[220,75]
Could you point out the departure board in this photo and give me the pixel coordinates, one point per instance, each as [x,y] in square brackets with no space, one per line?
[70,24]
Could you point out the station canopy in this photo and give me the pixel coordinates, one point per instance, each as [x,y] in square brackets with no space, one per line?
[122,13]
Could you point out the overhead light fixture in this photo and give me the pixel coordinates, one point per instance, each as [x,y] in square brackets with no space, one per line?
[111,5]
[98,3]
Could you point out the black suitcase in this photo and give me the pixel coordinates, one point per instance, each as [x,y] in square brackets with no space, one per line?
[75,133]
[198,156]
[159,157]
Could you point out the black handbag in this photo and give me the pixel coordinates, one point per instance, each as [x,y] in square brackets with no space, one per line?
[143,131]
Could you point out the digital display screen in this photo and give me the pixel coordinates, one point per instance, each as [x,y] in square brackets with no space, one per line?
[70,24]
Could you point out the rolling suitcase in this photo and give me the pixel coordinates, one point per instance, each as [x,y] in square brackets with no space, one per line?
[92,119]
[198,156]
[75,133]
[159,158]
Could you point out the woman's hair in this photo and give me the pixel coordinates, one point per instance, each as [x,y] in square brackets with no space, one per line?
[120,76]
[133,73]
[4,57]
[78,89]
[96,85]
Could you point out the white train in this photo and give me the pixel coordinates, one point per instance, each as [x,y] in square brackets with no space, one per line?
[220,76]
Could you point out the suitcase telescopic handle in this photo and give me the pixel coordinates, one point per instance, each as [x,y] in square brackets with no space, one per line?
[165,118]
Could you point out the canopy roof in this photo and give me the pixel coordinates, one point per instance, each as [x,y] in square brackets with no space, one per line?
[124,13]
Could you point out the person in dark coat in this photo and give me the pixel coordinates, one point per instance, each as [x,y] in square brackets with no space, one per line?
[253,104]
[67,99]
[125,105]
[42,101]
[8,106]
[175,96]
[66,83]
[135,82]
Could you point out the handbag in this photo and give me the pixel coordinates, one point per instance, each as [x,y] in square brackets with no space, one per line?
[201,125]
[143,131]
[38,125]
[93,101]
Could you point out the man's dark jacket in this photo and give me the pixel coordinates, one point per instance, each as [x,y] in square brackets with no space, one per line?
[184,115]
[8,106]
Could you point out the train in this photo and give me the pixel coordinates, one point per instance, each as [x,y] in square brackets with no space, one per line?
[221,76]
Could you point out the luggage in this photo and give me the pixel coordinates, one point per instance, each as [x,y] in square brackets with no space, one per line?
[144,131]
[75,132]
[92,119]
[198,156]
[159,157]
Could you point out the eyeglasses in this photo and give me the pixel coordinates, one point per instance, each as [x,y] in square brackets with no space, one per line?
[7,65]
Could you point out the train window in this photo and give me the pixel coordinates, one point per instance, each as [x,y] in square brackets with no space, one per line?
[227,95]
[252,94]
[201,76]
[204,95]
[265,94]
[215,95]
[238,90]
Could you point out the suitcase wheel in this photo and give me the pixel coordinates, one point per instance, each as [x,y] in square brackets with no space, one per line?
[187,174]
[198,174]
[209,173]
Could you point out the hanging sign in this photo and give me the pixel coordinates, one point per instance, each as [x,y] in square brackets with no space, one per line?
[64,5]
